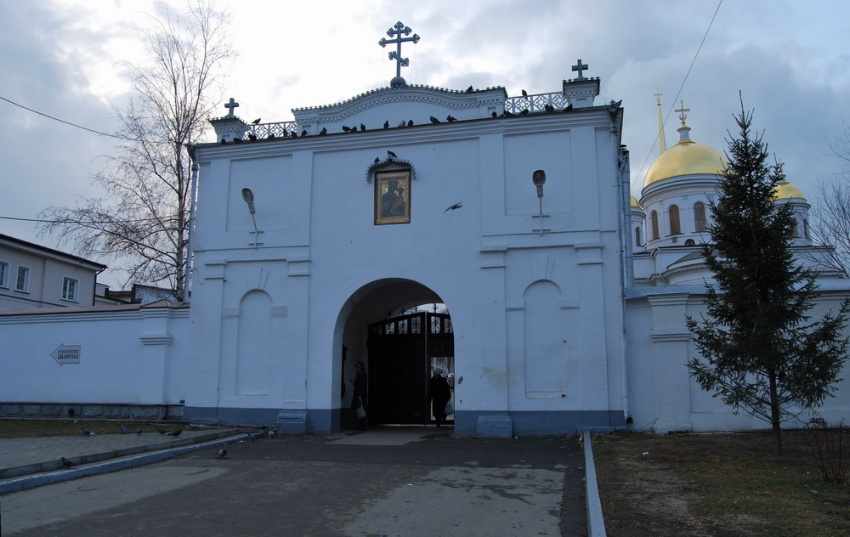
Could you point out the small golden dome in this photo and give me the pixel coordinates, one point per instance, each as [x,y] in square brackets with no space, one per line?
[785,190]
[634,202]
[685,158]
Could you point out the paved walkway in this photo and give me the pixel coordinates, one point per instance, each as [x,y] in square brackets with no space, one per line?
[387,481]
[25,456]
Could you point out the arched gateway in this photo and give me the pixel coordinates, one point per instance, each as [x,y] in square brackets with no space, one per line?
[501,208]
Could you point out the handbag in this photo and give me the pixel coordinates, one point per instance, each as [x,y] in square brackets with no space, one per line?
[450,409]
[361,411]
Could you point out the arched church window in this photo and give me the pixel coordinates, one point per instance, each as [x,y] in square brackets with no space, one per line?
[653,217]
[690,242]
[806,229]
[700,223]
[637,236]
[794,231]
[673,213]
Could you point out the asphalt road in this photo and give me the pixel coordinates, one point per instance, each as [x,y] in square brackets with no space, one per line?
[404,482]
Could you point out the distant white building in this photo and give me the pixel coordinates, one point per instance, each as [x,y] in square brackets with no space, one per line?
[33,276]
[316,239]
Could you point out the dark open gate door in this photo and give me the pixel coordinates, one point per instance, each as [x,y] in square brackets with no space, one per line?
[400,350]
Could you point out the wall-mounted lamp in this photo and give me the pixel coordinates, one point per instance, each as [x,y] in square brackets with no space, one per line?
[539,178]
[248,196]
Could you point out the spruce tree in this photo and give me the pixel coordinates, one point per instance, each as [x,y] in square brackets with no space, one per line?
[760,350]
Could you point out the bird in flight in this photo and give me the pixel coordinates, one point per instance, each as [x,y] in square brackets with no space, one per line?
[457,205]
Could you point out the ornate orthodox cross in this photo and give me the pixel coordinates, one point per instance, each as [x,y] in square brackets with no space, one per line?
[398,30]
[231,107]
[579,67]
[682,111]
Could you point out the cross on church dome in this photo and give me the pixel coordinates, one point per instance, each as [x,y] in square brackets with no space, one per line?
[682,111]
[398,30]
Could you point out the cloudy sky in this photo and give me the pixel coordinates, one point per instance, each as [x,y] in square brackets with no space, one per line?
[790,60]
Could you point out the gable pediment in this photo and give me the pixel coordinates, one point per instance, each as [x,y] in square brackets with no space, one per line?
[396,105]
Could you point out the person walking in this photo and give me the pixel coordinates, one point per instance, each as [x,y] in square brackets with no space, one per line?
[359,397]
[439,394]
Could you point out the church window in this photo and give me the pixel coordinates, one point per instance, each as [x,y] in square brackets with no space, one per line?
[637,236]
[4,274]
[653,217]
[794,231]
[69,289]
[690,242]
[806,229]
[700,224]
[675,227]
[22,282]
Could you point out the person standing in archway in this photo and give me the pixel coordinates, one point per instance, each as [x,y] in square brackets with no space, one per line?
[439,394]
[359,397]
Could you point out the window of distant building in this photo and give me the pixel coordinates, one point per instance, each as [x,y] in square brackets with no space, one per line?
[700,224]
[22,282]
[637,236]
[69,289]
[4,274]
[653,217]
[690,242]
[675,227]
[794,231]
[806,229]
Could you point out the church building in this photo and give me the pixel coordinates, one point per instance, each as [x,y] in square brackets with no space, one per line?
[492,237]
[317,238]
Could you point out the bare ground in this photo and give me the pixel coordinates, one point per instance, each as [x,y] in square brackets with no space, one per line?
[716,485]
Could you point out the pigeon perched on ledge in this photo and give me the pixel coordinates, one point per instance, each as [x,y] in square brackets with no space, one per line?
[86,432]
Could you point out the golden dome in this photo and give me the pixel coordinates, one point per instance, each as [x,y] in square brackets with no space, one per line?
[634,202]
[685,158]
[785,190]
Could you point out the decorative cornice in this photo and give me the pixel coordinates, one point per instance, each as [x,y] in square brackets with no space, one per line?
[394,92]
[157,339]
[389,161]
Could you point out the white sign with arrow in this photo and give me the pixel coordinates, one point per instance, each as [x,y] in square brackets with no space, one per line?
[67,354]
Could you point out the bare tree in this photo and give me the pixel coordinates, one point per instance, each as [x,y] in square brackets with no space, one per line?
[830,216]
[143,220]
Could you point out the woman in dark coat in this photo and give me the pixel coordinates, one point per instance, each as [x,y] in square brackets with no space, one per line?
[360,395]
[439,394]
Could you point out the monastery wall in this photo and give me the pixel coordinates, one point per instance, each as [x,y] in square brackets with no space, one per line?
[109,364]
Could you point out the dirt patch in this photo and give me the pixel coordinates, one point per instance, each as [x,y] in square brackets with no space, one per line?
[715,485]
